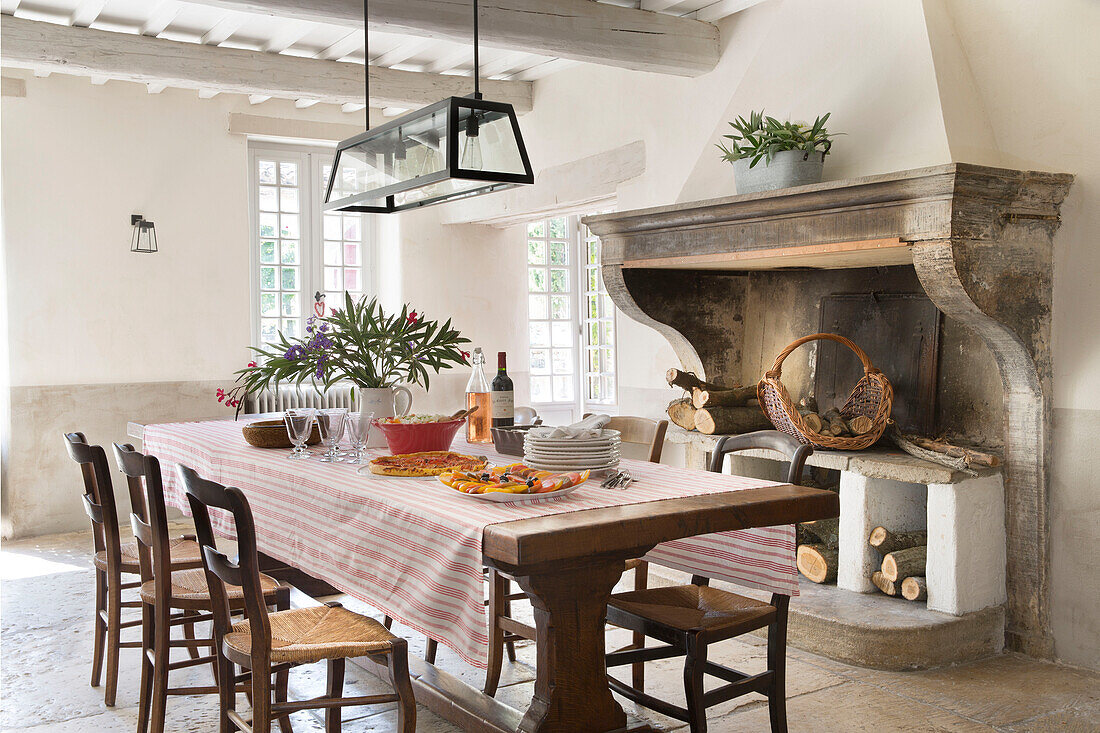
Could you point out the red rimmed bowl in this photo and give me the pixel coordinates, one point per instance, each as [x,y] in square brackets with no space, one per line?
[419,437]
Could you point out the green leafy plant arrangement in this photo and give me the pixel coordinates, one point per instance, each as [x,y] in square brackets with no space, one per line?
[360,344]
[761,137]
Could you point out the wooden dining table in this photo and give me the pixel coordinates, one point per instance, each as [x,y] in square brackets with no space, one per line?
[566,562]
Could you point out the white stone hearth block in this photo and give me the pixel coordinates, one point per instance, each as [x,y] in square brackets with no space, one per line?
[866,503]
[966,545]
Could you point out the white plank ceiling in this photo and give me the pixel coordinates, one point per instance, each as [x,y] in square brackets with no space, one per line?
[194,23]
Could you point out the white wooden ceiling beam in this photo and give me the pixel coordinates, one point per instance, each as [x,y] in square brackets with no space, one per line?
[86,13]
[223,29]
[723,8]
[161,17]
[658,5]
[579,30]
[351,42]
[47,47]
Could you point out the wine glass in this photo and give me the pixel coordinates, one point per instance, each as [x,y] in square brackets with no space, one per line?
[299,424]
[359,427]
[331,423]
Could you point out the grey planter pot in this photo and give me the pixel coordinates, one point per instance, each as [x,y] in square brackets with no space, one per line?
[788,168]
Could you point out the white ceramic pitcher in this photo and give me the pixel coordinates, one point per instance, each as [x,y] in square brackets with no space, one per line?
[382,401]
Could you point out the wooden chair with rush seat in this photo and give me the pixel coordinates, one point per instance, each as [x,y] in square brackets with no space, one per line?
[688,618]
[504,630]
[112,559]
[273,643]
[164,591]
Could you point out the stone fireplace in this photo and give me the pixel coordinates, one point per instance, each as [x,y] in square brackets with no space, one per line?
[730,282]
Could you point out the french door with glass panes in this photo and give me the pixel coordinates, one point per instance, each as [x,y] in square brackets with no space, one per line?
[571,319]
[297,250]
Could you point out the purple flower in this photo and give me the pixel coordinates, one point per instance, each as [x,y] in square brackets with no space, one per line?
[294,353]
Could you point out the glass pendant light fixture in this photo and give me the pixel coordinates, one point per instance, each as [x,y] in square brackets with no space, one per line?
[456,148]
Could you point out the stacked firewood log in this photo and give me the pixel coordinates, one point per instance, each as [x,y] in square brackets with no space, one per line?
[830,422]
[818,549]
[903,563]
[713,409]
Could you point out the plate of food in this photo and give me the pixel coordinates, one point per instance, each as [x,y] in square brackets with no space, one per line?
[425,464]
[513,483]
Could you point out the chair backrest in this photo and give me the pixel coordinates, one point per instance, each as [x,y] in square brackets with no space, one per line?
[796,452]
[643,431]
[148,517]
[99,495]
[203,495]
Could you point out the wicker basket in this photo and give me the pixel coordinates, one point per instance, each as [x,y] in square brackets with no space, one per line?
[872,397]
[272,434]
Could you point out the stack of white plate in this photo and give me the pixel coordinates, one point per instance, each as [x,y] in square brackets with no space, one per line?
[573,454]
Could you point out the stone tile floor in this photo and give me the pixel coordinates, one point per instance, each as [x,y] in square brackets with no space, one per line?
[46,597]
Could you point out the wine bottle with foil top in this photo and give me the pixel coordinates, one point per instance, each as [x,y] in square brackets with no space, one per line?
[504,402]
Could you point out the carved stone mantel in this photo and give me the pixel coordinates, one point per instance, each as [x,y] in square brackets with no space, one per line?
[980,243]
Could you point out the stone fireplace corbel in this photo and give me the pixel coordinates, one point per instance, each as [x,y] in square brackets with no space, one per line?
[728,282]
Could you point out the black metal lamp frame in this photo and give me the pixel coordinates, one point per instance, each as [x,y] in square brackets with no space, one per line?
[382,200]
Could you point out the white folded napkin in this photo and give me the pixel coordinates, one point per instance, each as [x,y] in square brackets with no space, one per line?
[587,429]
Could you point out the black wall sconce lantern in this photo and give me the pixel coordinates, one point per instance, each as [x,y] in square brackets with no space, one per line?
[144,238]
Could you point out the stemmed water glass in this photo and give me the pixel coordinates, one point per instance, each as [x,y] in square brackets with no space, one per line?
[359,427]
[299,424]
[331,423]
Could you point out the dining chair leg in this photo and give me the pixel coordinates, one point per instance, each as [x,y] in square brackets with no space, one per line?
[227,694]
[333,715]
[189,633]
[146,691]
[637,670]
[693,685]
[162,635]
[100,627]
[429,651]
[282,678]
[114,630]
[282,681]
[387,621]
[498,590]
[398,664]
[510,646]
[777,663]
[261,697]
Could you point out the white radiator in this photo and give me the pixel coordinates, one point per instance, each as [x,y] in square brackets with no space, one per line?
[305,396]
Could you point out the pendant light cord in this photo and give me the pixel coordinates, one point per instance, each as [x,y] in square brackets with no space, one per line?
[477,61]
[366,66]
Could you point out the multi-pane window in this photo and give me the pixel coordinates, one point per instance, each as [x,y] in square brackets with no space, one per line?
[280,230]
[598,325]
[300,251]
[571,321]
[343,256]
[550,302]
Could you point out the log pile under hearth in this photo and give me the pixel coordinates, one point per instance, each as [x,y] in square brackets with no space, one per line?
[713,409]
[903,563]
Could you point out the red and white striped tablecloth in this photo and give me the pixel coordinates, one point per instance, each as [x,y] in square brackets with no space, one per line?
[411,548]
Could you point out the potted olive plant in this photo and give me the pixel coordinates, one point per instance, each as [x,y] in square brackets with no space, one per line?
[767,154]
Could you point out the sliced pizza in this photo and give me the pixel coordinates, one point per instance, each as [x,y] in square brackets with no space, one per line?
[429,463]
